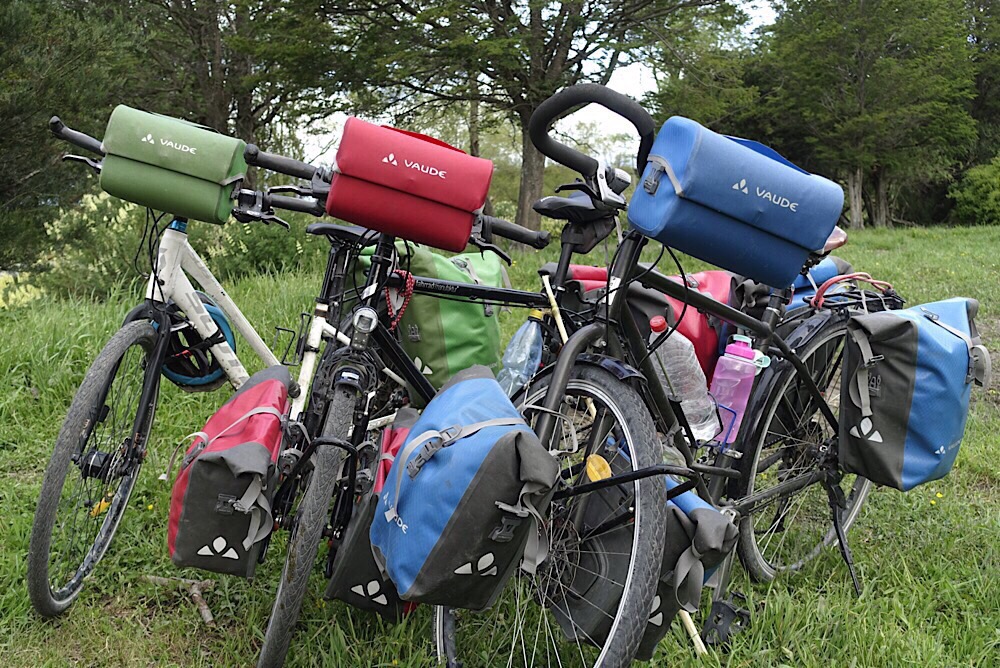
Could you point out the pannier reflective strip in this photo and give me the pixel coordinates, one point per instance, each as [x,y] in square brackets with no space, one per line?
[171,165]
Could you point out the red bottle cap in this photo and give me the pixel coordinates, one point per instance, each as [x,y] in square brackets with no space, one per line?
[658,324]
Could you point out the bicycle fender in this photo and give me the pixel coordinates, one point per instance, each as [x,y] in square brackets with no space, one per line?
[615,367]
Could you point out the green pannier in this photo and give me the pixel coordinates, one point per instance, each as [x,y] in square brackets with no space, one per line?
[445,336]
[171,165]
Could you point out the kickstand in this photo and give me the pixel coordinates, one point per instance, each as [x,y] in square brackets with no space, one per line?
[837,503]
[726,617]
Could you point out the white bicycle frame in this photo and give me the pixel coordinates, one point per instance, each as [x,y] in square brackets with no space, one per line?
[170,282]
[175,261]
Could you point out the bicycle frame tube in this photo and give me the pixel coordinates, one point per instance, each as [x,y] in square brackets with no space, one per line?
[170,282]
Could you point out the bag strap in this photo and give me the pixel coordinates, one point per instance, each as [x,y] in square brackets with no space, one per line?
[979,358]
[661,165]
[868,360]
[435,440]
[255,502]
[818,298]
[258,410]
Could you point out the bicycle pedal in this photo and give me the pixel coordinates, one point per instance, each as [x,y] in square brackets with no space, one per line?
[725,620]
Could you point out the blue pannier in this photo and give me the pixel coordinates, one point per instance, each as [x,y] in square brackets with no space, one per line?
[461,503]
[733,202]
[905,393]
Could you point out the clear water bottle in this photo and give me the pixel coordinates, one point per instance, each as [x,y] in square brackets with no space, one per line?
[523,355]
[732,383]
[681,374]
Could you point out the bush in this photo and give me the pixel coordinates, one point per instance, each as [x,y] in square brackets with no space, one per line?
[93,248]
[977,195]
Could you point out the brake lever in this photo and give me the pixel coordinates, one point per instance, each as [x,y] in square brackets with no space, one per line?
[265,217]
[93,164]
[484,246]
[295,190]
[578,186]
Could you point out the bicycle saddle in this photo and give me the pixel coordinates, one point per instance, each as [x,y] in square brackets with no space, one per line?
[836,239]
[577,208]
[349,233]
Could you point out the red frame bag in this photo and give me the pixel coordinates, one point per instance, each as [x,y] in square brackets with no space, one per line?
[408,185]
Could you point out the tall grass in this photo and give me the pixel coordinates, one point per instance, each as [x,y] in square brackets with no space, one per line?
[929,559]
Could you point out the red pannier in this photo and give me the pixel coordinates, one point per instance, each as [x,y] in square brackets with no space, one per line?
[220,506]
[408,185]
[696,326]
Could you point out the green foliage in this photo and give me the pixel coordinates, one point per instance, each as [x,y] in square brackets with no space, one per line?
[99,248]
[928,563]
[977,195]
[54,60]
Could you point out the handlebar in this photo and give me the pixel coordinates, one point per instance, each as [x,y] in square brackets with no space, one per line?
[508,230]
[580,94]
[80,139]
[295,204]
[277,163]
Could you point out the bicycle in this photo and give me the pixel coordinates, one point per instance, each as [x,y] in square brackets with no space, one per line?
[792,414]
[370,361]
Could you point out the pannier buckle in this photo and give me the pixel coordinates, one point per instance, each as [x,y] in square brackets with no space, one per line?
[225,504]
[873,361]
[652,182]
[505,532]
[424,456]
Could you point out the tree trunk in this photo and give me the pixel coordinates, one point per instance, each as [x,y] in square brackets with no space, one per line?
[855,183]
[531,186]
[883,216]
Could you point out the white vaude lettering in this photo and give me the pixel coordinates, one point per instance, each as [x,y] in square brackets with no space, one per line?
[392,516]
[184,148]
[777,200]
[426,169]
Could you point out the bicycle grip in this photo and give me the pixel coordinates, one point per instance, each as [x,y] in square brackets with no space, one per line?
[313,207]
[508,230]
[277,163]
[84,141]
[581,94]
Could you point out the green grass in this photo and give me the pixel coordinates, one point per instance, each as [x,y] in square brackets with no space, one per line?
[929,563]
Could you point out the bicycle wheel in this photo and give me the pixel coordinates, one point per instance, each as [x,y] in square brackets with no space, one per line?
[310,519]
[93,468]
[533,623]
[791,438]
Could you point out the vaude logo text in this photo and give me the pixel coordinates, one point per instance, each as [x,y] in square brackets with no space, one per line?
[392,516]
[777,200]
[184,148]
[426,169]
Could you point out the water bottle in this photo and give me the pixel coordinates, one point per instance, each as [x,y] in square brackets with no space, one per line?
[732,383]
[523,354]
[680,373]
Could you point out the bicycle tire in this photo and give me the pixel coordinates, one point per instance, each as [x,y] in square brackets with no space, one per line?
[630,619]
[98,469]
[789,419]
[303,545]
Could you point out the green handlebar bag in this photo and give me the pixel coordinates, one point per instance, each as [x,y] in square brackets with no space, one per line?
[445,336]
[171,165]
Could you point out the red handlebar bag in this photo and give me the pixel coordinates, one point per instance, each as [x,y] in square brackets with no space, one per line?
[408,185]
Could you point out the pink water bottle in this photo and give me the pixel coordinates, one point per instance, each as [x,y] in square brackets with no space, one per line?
[731,385]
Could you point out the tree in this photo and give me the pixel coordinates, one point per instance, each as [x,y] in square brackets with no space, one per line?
[508,55]
[55,61]
[877,90]
[984,40]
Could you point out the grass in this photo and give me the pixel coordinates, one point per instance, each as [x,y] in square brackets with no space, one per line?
[929,559]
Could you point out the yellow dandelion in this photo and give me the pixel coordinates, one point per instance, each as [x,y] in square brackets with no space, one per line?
[939,495]
[933,502]
[149,507]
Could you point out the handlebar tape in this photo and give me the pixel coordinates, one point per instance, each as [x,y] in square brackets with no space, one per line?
[575,96]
